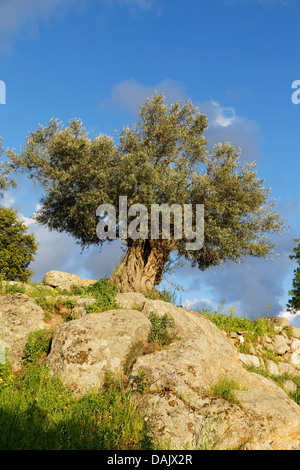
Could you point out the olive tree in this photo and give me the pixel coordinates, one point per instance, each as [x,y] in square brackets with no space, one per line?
[162,159]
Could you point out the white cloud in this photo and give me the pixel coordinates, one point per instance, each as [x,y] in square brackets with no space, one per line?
[130,94]
[8,201]
[14,13]
[222,116]
[224,123]
[59,251]
[197,304]
[21,18]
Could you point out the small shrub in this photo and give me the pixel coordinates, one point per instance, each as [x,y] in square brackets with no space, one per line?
[159,333]
[104,292]
[140,382]
[37,346]
[77,290]
[6,375]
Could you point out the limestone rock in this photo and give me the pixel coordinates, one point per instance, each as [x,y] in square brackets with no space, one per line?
[63,280]
[80,308]
[182,410]
[133,300]
[179,403]
[272,367]
[295,358]
[285,368]
[279,344]
[289,386]
[83,349]
[279,322]
[249,360]
[295,344]
[295,331]
[19,316]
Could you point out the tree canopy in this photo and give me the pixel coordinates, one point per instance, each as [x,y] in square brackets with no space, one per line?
[162,159]
[17,247]
[294,302]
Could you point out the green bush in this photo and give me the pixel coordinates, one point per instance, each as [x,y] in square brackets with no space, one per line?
[160,326]
[17,247]
[37,346]
[104,292]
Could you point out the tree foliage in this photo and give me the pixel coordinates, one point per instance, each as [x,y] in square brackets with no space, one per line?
[17,247]
[5,181]
[164,158]
[294,302]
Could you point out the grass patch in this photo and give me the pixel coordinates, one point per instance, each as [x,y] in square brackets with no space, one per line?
[38,346]
[37,412]
[225,389]
[230,321]
[104,292]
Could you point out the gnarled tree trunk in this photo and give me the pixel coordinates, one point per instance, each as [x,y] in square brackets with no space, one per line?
[143,264]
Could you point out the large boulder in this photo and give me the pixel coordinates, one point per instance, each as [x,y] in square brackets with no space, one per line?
[182,408]
[63,280]
[19,316]
[84,349]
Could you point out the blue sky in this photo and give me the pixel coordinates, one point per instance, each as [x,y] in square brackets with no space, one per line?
[98,60]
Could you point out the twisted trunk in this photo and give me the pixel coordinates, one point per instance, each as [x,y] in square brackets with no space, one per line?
[143,264]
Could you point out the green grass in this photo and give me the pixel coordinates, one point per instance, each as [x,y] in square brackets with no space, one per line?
[37,412]
[230,321]
[38,346]
[104,292]
[225,389]
[50,300]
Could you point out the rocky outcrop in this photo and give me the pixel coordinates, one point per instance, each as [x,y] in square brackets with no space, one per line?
[177,381]
[63,280]
[84,349]
[182,409]
[19,316]
[175,386]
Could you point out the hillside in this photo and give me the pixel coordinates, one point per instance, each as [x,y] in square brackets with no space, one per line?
[94,368]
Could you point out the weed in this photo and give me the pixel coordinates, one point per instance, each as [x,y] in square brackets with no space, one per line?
[104,292]
[159,333]
[225,389]
[230,321]
[37,346]
[132,356]
[140,382]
